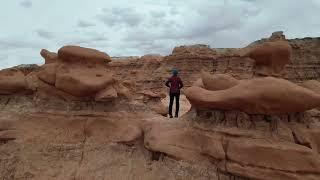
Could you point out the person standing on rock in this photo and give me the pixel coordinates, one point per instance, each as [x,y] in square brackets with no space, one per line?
[175,84]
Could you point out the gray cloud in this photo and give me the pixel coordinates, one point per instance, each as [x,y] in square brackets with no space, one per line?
[44,34]
[158,14]
[200,23]
[224,23]
[88,39]
[9,44]
[84,24]
[120,16]
[26,4]
[174,11]
[251,1]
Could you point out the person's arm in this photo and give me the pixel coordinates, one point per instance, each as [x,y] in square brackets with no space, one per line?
[167,83]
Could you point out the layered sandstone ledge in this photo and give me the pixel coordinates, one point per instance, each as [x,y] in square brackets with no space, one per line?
[84,115]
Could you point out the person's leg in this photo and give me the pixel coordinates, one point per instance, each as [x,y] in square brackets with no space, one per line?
[177,104]
[170,104]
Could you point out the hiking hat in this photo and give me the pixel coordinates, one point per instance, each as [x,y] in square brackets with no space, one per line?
[175,72]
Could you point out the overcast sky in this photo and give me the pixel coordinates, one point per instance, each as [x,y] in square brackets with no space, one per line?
[137,27]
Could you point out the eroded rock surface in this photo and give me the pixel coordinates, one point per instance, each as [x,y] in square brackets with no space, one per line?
[79,54]
[47,73]
[82,71]
[178,141]
[271,57]
[50,57]
[257,96]
[217,82]
[89,118]
[12,81]
[77,71]
[313,85]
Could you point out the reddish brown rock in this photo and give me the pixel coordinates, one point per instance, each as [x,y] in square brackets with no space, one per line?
[49,57]
[79,80]
[82,71]
[257,96]
[122,90]
[276,36]
[189,60]
[80,54]
[301,136]
[153,101]
[116,129]
[47,73]
[265,173]
[12,81]
[313,85]
[314,135]
[277,156]
[8,135]
[158,107]
[78,71]
[218,82]
[45,90]
[107,94]
[181,143]
[152,57]
[271,57]
[151,94]
[198,83]
[27,68]
[194,50]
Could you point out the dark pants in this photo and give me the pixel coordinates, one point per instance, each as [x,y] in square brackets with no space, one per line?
[172,96]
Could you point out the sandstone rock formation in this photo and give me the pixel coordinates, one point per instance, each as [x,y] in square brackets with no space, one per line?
[193,59]
[218,82]
[49,57]
[256,158]
[82,81]
[242,151]
[107,94]
[304,61]
[80,72]
[92,118]
[257,96]
[139,74]
[192,145]
[275,36]
[153,100]
[271,57]
[27,68]
[312,85]
[184,59]
[198,83]
[85,55]
[12,81]
[278,35]
[47,73]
